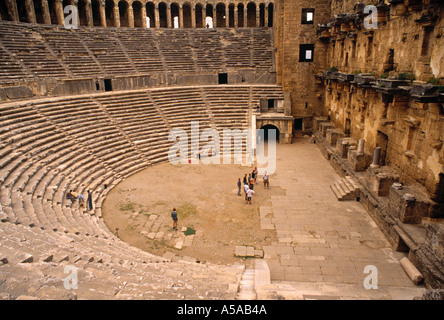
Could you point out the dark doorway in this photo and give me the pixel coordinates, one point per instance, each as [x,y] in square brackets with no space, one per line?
[298,124]
[271,104]
[347,130]
[268,128]
[223,78]
[108,85]
[382,141]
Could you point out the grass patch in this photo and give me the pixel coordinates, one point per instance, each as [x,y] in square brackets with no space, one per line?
[129,206]
[189,231]
[186,210]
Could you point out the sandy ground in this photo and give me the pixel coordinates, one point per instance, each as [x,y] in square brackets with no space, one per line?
[206,200]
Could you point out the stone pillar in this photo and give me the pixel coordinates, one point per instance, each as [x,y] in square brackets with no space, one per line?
[193,17]
[266,16]
[214,17]
[245,16]
[143,13]
[180,16]
[258,15]
[227,15]
[30,11]
[204,17]
[116,16]
[76,4]
[102,14]
[12,9]
[59,12]
[130,16]
[361,146]
[89,14]
[156,16]
[168,16]
[236,16]
[46,15]
[376,157]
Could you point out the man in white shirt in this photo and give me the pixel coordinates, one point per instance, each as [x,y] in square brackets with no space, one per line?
[250,193]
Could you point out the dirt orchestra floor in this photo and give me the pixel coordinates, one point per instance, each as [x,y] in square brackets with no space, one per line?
[307,236]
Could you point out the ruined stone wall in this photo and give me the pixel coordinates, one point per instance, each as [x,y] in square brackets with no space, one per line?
[297,77]
[408,44]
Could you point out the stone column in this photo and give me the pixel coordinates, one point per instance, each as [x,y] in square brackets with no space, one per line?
[258,15]
[143,13]
[193,17]
[30,11]
[204,16]
[130,16]
[236,16]
[214,17]
[168,16]
[102,14]
[89,14]
[116,16]
[245,16]
[12,10]
[59,12]
[76,4]
[180,16]
[156,16]
[266,16]
[361,146]
[46,15]
[376,157]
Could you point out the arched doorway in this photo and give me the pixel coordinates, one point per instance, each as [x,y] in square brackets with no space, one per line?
[268,132]
[123,12]
[251,15]
[150,7]
[231,15]
[95,8]
[175,19]
[270,15]
[109,13]
[209,20]
[39,13]
[163,15]
[83,14]
[220,15]
[240,15]
[137,11]
[186,8]
[21,10]
[199,16]
[4,11]
[262,15]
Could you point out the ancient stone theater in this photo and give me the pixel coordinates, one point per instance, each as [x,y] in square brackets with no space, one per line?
[345,97]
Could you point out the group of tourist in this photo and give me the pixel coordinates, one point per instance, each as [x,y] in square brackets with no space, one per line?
[249,183]
[73,196]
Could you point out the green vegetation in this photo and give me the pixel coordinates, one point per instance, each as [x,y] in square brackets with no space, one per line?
[333,69]
[406,76]
[129,206]
[189,231]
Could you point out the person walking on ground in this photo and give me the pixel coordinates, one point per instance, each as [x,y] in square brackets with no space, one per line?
[245,179]
[254,176]
[246,188]
[89,201]
[266,181]
[239,185]
[174,217]
[250,193]
[251,185]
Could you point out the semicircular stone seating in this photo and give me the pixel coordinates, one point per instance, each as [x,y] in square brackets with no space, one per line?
[92,142]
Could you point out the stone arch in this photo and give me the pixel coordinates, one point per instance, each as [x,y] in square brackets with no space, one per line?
[209,14]
[109,12]
[270,126]
[150,13]
[270,14]
[138,14]
[199,15]
[241,15]
[163,20]
[187,16]
[251,15]
[123,13]
[221,15]
[231,18]
[262,15]
[175,15]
